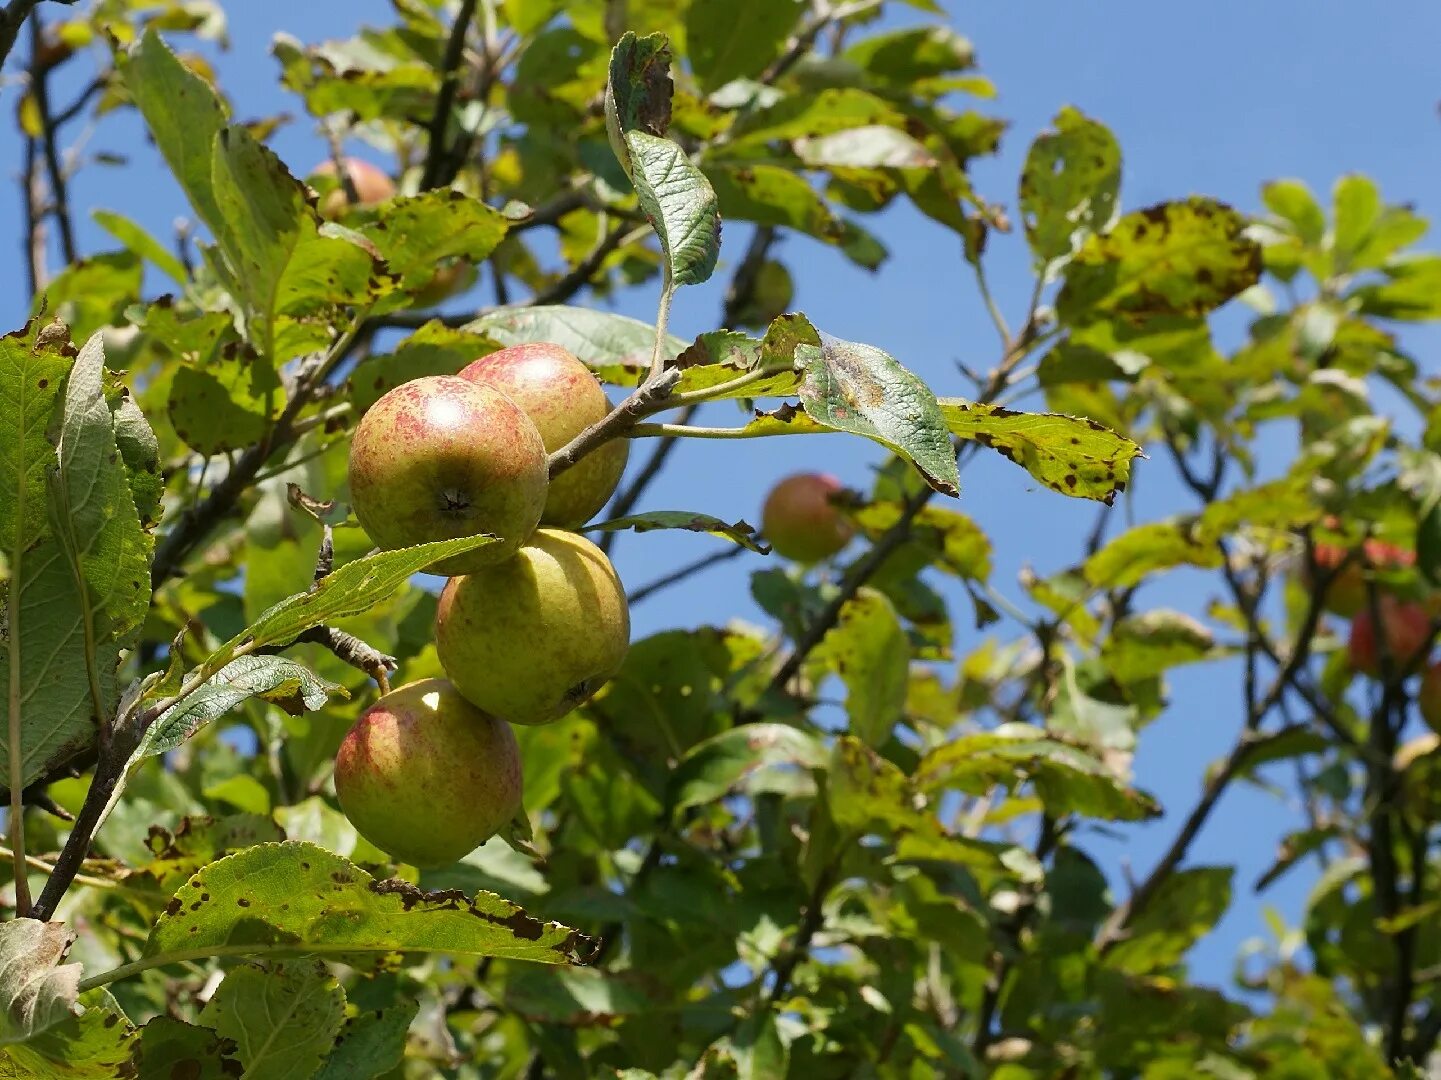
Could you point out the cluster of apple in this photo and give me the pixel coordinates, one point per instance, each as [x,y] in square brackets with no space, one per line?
[1404,631]
[528,626]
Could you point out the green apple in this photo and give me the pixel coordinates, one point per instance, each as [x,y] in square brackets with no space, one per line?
[372,187]
[441,457]
[802,522]
[530,639]
[562,398]
[426,776]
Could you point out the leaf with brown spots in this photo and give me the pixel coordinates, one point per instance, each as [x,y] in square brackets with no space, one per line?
[739,533]
[1177,258]
[1069,454]
[97,1044]
[171,1048]
[305,900]
[282,1019]
[1069,185]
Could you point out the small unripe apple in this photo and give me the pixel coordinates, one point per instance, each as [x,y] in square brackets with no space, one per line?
[372,187]
[801,522]
[449,279]
[426,776]
[440,457]
[1406,628]
[1428,697]
[1346,594]
[562,398]
[532,638]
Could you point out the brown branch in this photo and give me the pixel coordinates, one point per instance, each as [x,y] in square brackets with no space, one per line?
[649,397]
[436,157]
[108,771]
[49,144]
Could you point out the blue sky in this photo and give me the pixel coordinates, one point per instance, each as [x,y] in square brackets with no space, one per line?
[1212,99]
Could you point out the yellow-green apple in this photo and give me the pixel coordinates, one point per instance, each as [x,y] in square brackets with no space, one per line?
[440,457]
[801,520]
[372,187]
[1405,628]
[530,639]
[563,398]
[426,776]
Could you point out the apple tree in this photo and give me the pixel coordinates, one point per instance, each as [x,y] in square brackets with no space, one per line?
[282,801]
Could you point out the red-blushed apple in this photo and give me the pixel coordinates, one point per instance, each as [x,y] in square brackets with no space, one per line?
[530,639]
[800,520]
[1428,697]
[426,776]
[562,398]
[1406,628]
[1346,594]
[441,457]
[372,187]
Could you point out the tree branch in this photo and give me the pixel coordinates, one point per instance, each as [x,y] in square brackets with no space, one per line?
[675,577]
[49,144]
[436,155]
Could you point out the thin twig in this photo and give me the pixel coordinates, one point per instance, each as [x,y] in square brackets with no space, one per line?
[675,577]
[435,155]
[49,144]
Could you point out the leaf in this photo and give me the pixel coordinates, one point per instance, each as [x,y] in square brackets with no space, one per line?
[961,546]
[282,1019]
[1066,778]
[97,1044]
[183,114]
[729,40]
[1292,200]
[416,233]
[49,706]
[37,989]
[299,899]
[872,146]
[739,533]
[715,767]
[862,390]
[675,196]
[809,116]
[1069,185]
[1139,552]
[171,1048]
[575,996]
[137,240]
[434,349]
[1178,258]
[1069,454]
[370,1045]
[869,650]
[1145,645]
[140,451]
[276,679]
[1412,291]
[599,338]
[902,57]
[1185,907]
[351,589]
[225,402]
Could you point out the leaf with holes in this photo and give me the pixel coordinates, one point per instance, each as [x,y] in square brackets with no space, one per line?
[1069,454]
[416,233]
[1069,186]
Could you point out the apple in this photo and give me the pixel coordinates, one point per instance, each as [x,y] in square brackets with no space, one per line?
[452,278]
[530,639]
[1407,629]
[426,776]
[372,187]
[441,457]
[1347,592]
[801,521]
[1428,697]
[562,398]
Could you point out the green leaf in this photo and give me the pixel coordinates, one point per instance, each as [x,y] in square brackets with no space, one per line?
[599,338]
[416,233]
[872,146]
[739,533]
[730,40]
[184,116]
[741,758]
[1139,552]
[960,546]
[900,58]
[299,899]
[675,196]
[93,293]
[140,451]
[572,996]
[869,650]
[1066,778]
[1356,207]
[862,390]
[226,403]
[371,1044]
[1292,201]
[136,240]
[37,988]
[1144,645]
[95,1045]
[281,1019]
[1185,908]
[771,195]
[803,116]
[1069,454]
[434,349]
[1069,186]
[1411,292]
[1178,258]
[171,1048]
[276,679]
